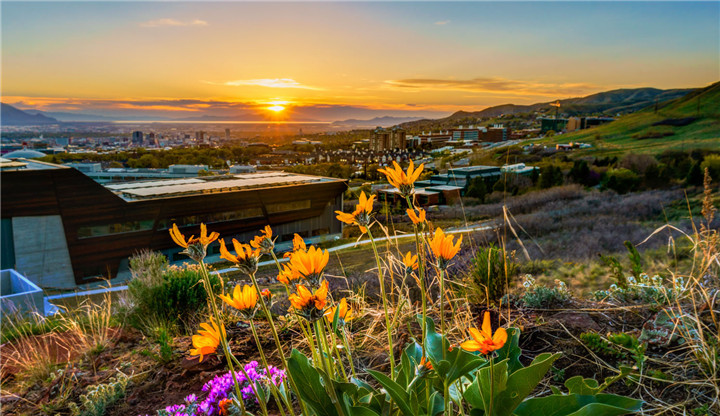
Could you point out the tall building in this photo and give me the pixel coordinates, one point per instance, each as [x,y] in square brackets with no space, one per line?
[199,136]
[137,138]
[388,139]
[227,135]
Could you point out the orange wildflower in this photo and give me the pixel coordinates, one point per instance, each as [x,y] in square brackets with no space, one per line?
[416,219]
[223,406]
[298,244]
[410,262]
[264,242]
[195,248]
[245,258]
[308,304]
[483,340]
[244,300]
[344,313]
[361,216]
[208,339]
[443,248]
[310,264]
[404,182]
[287,274]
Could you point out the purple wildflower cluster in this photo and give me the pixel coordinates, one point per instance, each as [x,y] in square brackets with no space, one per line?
[221,387]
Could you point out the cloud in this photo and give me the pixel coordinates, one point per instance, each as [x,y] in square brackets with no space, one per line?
[266,82]
[165,22]
[494,85]
[442,22]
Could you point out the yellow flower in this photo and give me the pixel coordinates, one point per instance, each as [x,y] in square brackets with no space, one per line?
[287,274]
[401,180]
[443,248]
[361,216]
[208,339]
[245,258]
[410,262]
[344,313]
[298,244]
[310,264]
[416,219]
[264,242]
[244,299]
[483,340]
[308,304]
[195,248]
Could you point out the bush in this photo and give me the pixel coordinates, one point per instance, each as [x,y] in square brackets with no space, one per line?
[493,270]
[542,297]
[621,180]
[166,295]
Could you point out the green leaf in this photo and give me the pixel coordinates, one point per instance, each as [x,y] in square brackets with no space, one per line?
[578,405]
[437,405]
[449,365]
[511,350]
[479,395]
[522,382]
[582,386]
[398,394]
[310,388]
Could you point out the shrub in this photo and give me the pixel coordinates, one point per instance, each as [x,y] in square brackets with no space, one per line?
[645,290]
[538,296]
[98,398]
[621,180]
[493,270]
[173,299]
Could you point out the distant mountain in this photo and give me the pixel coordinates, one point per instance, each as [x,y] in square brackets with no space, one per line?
[11,116]
[603,103]
[686,122]
[70,117]
[385,121]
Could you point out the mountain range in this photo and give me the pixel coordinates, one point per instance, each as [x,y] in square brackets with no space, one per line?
[606,103]
[609,102]
[11,116]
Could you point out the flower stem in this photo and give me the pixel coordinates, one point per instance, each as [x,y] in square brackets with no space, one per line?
[385,308]
[266,310]
[265,364]
[223,339]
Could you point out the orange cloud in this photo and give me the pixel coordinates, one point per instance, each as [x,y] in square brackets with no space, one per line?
[495,85]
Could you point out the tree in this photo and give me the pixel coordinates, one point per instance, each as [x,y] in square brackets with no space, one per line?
[580,172]
[550,176]
[477,189]
[621,180]
[695,175]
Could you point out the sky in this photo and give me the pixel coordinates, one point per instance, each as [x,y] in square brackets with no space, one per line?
[329,61]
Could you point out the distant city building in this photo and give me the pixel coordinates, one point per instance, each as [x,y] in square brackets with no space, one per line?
[61,229]
[388,139]
[137,138]
[227,134]
[199,136]
[552,124]
[581,123]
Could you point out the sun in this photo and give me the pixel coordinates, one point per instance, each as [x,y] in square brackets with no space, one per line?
[276,108]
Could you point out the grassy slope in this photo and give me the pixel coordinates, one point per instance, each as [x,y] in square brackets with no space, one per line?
[617,137]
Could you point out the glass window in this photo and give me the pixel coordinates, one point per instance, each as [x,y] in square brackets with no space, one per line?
[115,228]
[288,206]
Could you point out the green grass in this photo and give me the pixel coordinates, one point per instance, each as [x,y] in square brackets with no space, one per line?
[620,136]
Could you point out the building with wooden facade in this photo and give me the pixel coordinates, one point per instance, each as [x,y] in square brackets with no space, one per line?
[60,228]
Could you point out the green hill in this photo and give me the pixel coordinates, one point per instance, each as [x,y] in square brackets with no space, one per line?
[692,121]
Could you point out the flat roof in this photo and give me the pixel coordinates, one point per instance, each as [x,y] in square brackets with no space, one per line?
[20,164]
[155,189]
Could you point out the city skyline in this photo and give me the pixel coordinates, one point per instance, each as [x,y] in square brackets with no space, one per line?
[332,61]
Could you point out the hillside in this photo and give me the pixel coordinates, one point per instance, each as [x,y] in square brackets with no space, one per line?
[690,121]
[608,103]
[11,116]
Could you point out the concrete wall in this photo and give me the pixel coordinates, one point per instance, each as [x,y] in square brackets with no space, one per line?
[41,252]
[19,294]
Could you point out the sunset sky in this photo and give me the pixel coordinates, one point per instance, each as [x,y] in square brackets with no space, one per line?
[331,61]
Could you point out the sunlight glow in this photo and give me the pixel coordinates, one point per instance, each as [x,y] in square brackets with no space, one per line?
[276,108]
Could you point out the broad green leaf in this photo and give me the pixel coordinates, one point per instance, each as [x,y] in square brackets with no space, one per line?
[521,383]
[582,386]
[449,365]
[511,350]
[487,385]
[398,394]
[578,405]
[437,405]
[310,388]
